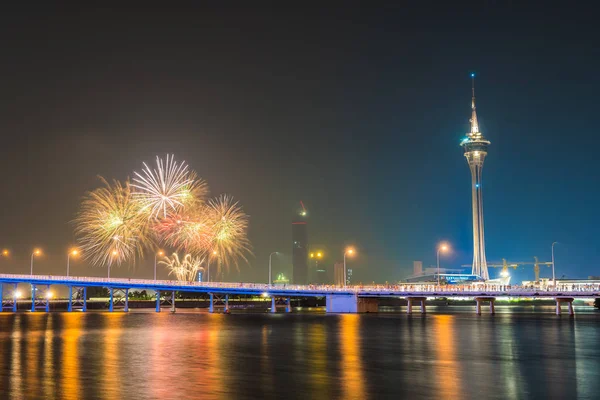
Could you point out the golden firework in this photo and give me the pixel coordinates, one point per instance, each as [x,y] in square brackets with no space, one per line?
[167,188]
[228,225]
[184,270]
[110,227]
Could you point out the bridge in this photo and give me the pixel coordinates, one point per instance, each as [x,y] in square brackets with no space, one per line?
[352,299]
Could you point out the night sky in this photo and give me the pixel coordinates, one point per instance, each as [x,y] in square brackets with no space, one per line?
[356,111]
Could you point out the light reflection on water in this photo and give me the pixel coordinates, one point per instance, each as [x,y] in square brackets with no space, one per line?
[317,356]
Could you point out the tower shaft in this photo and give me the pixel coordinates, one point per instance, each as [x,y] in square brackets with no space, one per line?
[479,260]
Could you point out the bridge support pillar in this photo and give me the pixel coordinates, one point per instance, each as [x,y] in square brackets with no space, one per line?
[341,303]
[15,297]
[48,298]
[84,308]
[273,307]
[158,301]
[126,308]
[480,300]
[568,300]
[173,301]
[211,307]
[70,306]
[33,288]
[288,305]
[111,301]
[9,304]
[226,304]
[415,300]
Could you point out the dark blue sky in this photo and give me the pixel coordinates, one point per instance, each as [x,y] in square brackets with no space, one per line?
[357,110]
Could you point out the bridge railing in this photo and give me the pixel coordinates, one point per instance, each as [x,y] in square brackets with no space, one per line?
[470,289]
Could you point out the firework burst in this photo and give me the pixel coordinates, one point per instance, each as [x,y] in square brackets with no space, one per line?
[187,230]
[167,188]
[110,227]
[229,228]
[184,270]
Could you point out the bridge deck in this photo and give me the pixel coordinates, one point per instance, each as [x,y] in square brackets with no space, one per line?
[475,290]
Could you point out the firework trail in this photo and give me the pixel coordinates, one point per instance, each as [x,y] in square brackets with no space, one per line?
[184,270]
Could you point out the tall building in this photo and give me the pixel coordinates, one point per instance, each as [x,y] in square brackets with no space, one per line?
[338,274]
[300,248]
[475,146]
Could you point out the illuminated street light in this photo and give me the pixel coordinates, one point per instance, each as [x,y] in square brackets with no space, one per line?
[159,253]
[270,255]
[350,251]
[49,295]
[504,274]
[443,247]
[18,294]
[5,253]
[73,252]
[36,252]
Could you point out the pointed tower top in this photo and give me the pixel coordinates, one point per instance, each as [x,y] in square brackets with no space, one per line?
[474,123]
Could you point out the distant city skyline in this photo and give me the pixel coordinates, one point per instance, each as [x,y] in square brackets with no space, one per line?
[360,116]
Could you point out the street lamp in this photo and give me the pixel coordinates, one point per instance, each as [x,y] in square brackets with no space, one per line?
[214,253]
[73,252]
[160,253]
[5,253]
[36,252]
[442,247]
[351,252]
[270,255]
[553,276]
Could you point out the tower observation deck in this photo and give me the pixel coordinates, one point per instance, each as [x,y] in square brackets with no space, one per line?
[475,147]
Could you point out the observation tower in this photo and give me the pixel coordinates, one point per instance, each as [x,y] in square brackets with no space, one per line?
[475,146]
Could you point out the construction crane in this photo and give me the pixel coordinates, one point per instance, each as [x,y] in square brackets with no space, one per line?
[536,266]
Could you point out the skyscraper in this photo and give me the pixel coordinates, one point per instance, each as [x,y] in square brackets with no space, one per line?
[300,248]
[475,146]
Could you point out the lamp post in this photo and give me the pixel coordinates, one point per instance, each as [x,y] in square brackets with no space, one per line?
[553,276]
[271,255]
[35,252]
[214,253]
[348,251]
[160,253]
[444,248]
[69,254]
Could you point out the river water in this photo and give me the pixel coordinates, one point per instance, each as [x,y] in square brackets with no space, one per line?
[196,355]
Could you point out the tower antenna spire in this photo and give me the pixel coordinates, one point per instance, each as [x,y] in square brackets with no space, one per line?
[474,123]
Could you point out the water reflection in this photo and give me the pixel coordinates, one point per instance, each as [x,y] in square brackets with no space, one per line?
[70,356]
[48,360]
[112,368]
[147,355]
[319,377]
[351,366]
[447,369]
[16,365]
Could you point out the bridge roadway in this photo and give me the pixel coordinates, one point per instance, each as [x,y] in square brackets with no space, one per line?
[338,299]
